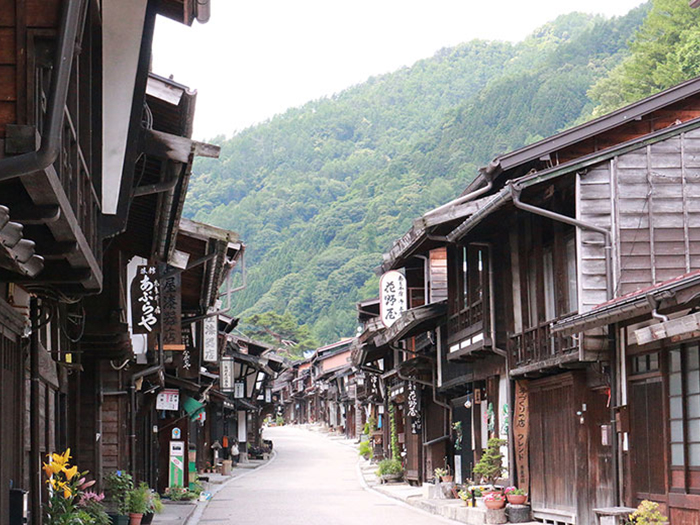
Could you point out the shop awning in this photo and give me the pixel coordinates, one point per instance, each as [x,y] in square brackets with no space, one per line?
[412,322]
[676,292]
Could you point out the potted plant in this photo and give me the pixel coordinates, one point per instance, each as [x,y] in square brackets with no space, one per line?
[137,501]
[66,486]
[153,504]
[91,504]
[443,474]
[439,473]
[390,470]
[515,496]
[494,500]
[118,485]
[365,450]
[490,466]
[647,514]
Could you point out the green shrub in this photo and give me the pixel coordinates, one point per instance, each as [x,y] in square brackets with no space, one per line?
[365,450]
[389,467]
[490,466]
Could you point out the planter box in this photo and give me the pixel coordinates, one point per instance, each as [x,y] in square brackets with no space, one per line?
[119,519]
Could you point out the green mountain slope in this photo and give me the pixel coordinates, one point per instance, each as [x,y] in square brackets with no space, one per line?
[320,192]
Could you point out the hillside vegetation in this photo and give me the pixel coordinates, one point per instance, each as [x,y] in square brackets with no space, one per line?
[320,192]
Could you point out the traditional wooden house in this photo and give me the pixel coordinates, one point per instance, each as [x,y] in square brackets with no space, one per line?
[73,82]
[329,364]
[402,353]
[543,249]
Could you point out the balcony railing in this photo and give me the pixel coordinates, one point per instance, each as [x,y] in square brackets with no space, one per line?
[538,345]
[467,321]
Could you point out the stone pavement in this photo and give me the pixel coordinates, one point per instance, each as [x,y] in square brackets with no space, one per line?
[418,497]
[181,512]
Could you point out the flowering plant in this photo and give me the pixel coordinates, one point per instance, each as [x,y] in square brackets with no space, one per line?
[514,491]
[494,496]
[66,486]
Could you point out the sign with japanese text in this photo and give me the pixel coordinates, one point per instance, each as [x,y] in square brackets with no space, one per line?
[239,390]
[211,339]
[521,424]
[393,297]
[168,399]
[268,395]
[226,376]
[171,312]
[145,301]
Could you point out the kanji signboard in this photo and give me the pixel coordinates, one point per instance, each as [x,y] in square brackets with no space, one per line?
[393,297]
[171,307]
[226,376]
[210,339]
[168,399]
[145,301]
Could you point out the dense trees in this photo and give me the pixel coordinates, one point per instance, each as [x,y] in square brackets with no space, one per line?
[320,192]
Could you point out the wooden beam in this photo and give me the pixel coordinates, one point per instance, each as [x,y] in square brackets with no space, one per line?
[173,147]
[36,214]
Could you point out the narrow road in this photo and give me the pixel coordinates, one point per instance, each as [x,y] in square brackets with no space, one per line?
[312,481]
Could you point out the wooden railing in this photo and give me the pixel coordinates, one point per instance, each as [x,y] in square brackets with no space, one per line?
[537,344]
[468,320]
[77,183]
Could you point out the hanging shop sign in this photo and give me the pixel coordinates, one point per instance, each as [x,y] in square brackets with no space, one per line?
[145,301]
[268,395]
[210,339]
[521,424]
[171,312]
[412,400]
[239,390]
[226,375]
[393,297]
[168,399]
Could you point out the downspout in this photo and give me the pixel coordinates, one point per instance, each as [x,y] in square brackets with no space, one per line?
[489,174]
[46,155]
[34,422]
[132,395]
[504,355]
[516,191]
[433,386]
[612,335]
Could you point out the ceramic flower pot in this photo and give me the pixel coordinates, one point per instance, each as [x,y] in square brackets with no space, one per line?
[447,478]
[494,503]
[135,518]
[147,518]
[517,499]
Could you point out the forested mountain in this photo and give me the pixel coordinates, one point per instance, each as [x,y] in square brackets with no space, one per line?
[320,192]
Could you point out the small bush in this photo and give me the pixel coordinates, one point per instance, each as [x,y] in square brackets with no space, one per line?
[365,450]
[389,467]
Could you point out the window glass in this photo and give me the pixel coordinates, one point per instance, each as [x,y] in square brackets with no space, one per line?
[693,384]
[693,406]
[692,356]
[677,431]
[694,455]
[549,297]
[571,276]
[676,408]
[677,455]
[674,384]
[675,360]
[693,430]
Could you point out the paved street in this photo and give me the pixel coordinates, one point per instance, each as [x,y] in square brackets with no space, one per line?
[313,480]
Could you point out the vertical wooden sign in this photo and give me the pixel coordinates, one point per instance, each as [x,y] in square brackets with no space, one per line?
[145,301]
[521,429]
[171,313]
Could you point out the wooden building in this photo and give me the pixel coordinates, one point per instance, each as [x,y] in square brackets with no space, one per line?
[560,257]
[73,76]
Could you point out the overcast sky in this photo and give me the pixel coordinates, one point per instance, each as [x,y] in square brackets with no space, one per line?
[256,58]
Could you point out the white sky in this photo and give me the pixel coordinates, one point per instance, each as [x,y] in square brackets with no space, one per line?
[256,58]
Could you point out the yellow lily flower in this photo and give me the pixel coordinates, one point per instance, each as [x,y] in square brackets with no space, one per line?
[71,472]
[51,469]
